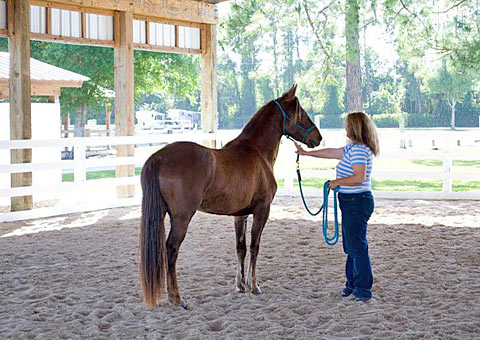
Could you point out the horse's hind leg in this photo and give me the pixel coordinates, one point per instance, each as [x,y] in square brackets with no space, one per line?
[178,230]
[260,217]
[240,230]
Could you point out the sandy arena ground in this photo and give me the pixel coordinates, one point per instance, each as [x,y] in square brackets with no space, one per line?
[75,277]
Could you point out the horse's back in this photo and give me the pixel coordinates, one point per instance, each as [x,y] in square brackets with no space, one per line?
[229,181]
[242,178]
[185,170]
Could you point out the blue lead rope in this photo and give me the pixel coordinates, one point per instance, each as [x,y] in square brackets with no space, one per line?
[329,240]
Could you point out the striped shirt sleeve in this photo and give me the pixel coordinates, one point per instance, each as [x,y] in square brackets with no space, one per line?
[359,155]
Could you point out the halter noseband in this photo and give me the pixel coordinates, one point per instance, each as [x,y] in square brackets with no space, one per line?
[284,126]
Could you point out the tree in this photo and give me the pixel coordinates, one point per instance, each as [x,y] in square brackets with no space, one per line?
[452,85]
[352,54]
[243,29]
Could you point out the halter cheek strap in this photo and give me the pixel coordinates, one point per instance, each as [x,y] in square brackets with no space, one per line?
[284,125]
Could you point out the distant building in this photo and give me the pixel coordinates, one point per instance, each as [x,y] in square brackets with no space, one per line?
[193,118]
[149,119]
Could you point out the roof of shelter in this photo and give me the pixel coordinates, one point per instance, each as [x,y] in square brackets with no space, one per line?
[40,71]
[46,79]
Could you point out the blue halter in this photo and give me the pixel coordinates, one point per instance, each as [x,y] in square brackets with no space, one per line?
[284,127]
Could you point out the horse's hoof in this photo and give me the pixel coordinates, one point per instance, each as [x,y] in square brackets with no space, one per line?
[257,291]
[241,288]
[180,302]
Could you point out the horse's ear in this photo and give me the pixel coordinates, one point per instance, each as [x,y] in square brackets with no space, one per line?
[290,94]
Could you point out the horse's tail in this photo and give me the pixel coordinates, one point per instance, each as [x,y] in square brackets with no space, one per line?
[152,236]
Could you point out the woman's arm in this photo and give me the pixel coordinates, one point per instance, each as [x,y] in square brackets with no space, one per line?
[358,177]
[332,153]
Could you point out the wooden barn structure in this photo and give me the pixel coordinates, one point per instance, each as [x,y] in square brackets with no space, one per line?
[178,26]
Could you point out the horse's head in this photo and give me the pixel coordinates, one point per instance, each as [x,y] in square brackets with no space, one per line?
[295,121]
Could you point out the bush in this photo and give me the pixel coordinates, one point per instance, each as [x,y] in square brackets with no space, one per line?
[427,121]
[387,120]
[331,121]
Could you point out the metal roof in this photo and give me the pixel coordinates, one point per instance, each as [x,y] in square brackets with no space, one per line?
[40,71]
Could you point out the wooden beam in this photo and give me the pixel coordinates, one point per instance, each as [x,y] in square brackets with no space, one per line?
[49,20]
[84,25]
[167,21]
[177,38]
[183,10]
[72,7]
[124,95]
[147,32]
[166,49]
[208,66]
[48,83]
[72,40]
[19,97]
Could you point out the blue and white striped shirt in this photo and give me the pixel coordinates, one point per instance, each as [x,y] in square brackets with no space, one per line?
[355,154]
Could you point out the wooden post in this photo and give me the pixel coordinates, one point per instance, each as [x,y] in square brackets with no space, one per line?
[107,117]
[66,126]
[124,95]
[209,104]
[447,165]
[19,94]
[107,121]
[401,125]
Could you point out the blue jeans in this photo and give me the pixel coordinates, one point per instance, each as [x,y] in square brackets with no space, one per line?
[356,211]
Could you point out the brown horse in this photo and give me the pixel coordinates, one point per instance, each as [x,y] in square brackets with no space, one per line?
[236,180]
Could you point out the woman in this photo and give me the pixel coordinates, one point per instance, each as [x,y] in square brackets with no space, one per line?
[356,199]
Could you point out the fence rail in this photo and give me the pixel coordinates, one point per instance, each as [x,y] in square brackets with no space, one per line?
[83,195]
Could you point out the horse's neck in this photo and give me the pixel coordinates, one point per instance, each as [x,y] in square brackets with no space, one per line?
[264,131]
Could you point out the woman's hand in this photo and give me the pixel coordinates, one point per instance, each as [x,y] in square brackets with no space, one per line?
[300,150]
[333,184]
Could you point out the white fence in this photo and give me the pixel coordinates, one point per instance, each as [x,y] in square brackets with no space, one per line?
[83,195]
[414,141]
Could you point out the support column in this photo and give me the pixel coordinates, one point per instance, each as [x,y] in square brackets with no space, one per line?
[124,95]
[209,104]
[107,120]
[19,94]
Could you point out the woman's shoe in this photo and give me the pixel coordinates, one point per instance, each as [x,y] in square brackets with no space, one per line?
[356,298]
[346,292]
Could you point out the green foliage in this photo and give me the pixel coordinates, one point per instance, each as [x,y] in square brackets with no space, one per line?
[90,61]
[387,120]
[427,120]
[449,83]
[331,106]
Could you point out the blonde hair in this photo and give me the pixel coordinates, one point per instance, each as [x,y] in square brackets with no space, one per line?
[361,129]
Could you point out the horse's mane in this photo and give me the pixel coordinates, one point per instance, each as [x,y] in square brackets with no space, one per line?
[248,129]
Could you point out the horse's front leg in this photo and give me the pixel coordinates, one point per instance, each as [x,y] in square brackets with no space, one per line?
[260,217]
[240,230]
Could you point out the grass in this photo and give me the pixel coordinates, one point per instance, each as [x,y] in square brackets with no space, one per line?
[396,184]
[462,186]
[69,177]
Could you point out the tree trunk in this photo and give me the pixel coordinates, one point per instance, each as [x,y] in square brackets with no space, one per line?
[452,122]
[418,96]
[80,121]
[66,125]
[367,69]
[354,76]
